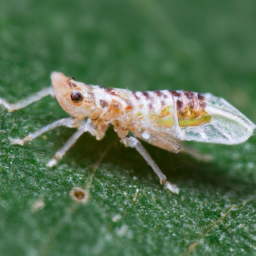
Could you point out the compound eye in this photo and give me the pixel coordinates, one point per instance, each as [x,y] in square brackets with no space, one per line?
[77,96]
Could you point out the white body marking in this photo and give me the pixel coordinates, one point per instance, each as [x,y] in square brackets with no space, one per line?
[162,118]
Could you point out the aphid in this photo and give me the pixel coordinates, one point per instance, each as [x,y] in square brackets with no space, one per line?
[161,118]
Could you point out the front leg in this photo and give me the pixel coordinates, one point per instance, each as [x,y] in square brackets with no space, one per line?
[96,131]
[135,143]
[27,101]
[69,143]
[69,122]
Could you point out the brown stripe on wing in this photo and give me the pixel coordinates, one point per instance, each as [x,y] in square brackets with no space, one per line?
[158,93]
[147,95]
[179,105]
[135,95]
[190,95]
[202,102]
[191,106]
[174,93]
[200,96]
[111,91]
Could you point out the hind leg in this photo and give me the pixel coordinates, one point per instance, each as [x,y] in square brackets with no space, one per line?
[197,155]
[135,143]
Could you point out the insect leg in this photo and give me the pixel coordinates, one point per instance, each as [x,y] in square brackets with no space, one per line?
[70,142]
[27,101]
[68,122]
[197,155]
[85,127]
[135,143]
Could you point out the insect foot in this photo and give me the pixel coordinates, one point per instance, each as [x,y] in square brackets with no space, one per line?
[5,104]
[17,141]
[21,142]
[172,187]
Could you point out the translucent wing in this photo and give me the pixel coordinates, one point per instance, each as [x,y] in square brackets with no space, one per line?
[227,124]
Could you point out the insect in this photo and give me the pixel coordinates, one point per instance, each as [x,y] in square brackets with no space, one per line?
[162,118]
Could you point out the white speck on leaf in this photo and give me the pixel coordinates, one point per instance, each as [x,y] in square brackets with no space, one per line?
[116,218]
[38,205]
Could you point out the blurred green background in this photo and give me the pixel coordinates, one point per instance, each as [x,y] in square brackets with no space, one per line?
[204,46]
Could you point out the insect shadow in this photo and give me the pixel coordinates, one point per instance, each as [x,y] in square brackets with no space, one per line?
[188,172]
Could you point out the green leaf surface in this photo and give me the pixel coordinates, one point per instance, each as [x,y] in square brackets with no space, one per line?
[203,46]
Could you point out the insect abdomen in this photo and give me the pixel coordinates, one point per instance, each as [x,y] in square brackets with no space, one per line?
[158,106]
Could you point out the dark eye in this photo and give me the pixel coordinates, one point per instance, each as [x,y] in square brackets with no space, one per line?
[77,96]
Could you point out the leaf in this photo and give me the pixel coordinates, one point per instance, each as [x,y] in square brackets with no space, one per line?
[140,45]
